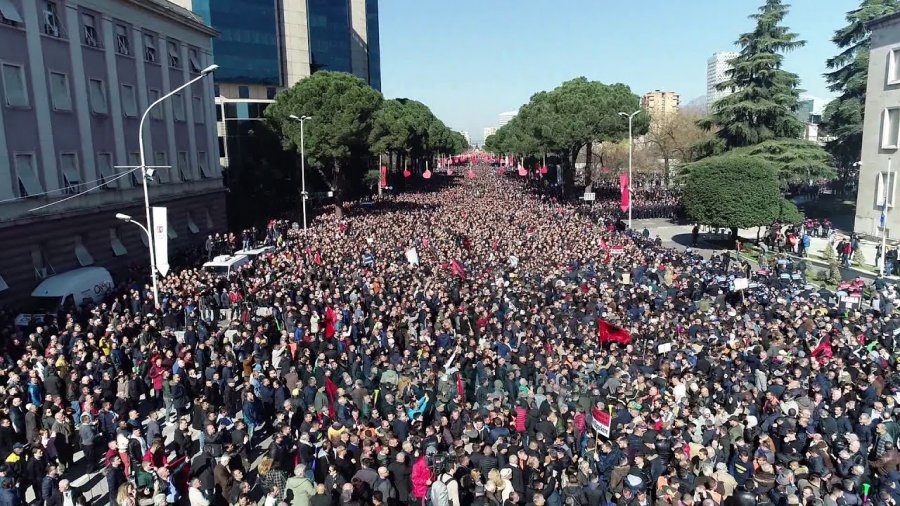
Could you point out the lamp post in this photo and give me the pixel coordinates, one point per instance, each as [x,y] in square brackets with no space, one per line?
[145,174]
[630,155]
[302,119]
[127,219]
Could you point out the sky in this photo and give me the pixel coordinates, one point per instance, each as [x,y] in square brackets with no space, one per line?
[470,60]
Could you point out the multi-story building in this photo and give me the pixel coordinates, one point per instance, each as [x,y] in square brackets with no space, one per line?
[489,131]
[267,45]
[467,137]
[717,67]
[880,159]
[77,75]
[659,104]
[506,117]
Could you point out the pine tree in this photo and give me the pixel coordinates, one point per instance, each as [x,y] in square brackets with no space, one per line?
[765,95]
[843,117]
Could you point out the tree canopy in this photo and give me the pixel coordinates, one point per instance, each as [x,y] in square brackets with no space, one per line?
[843,116]
[736,191]
[795,160]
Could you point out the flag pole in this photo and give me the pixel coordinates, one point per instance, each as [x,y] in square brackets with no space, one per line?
[884,218]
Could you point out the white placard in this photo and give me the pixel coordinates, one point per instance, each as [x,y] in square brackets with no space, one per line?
[741,283]
[161,240]
[412,256]
[664,348]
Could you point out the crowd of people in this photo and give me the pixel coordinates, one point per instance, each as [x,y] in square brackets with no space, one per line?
[443,348]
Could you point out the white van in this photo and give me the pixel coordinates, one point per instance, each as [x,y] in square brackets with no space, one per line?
[226,265]
[255,252]
[72,288]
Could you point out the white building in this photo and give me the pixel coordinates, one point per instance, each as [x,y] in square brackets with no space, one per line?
[717,67]
[489,131]
[466,136]
[506,117]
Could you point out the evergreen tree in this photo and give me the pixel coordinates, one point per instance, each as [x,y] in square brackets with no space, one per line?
[765,95]
[843,117]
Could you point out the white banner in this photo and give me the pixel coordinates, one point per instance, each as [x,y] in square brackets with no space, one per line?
[161,240]
[412,256]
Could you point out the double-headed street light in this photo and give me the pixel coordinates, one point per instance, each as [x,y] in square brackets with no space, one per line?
[147,173]
[303,195]
[630,154]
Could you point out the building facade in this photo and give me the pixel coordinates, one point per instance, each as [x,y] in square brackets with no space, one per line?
[880,158]
[489,131]
[717,67]
[506,117]
[659,104]
[76,77]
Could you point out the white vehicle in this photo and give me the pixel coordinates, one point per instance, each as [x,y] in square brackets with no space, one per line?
[68,289]
[226,265]
[255,252]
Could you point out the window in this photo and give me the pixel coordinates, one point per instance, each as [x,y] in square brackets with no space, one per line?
[107,172]
[890,128]
[91,37]
[10,15]
[884,187]
[51,19]
[149,48]
[123,45]
[198,109]
[82,254]
[3,285]
[171,231]
[243,92]
[134,160]
[210,224]
[117,247]
[271,92]
[68,164]
[59,92]
[157,112]
[178,106]
[192,226]
[174,60]
[42,267]
[205,173]
[14,85]
[194,60]
[98,96]
[184,169]
[129,101]
[893,70]
[26,173]
[162,170]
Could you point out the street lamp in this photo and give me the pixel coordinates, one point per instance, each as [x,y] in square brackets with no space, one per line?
[146,174]
[127,219]
[301,119]
[630,154]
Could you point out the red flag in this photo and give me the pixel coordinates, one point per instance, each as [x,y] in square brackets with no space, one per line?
[317,259]
[471,174]
[426,174]
[449,172]
[330,318]
[624,187]
[523,171]
[544,170]
[384,176]
[611,333]
[406,173]
[823,349]
[501,171]
[457,269]
[331,392]
[459,388]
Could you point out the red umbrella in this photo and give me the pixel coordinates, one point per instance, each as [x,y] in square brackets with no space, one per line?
[426,174]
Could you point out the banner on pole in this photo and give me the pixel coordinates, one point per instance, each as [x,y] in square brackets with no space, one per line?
[624,187]
[383,181]
[161,240]
[601,422]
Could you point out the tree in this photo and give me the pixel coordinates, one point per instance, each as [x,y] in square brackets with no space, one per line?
[342,107]
[673,137]
[736,191]
[764,95]
[796,160]
[843,116]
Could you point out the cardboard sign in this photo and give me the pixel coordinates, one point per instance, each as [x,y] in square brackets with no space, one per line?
[664,348]
[741,284]
[617,250]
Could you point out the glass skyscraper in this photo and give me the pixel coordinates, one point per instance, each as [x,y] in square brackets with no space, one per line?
[330,31]
[247,51]
[373,37]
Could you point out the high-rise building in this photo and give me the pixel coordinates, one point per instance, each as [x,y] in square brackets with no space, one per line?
[266,45]
[466,136]
[506,117]
[489,131]
[76,79]
[717,67]
[659,104]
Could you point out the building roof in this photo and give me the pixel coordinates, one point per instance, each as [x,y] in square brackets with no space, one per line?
[177,13]
[882,20]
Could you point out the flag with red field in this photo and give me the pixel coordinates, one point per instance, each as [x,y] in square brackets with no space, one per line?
[610,333]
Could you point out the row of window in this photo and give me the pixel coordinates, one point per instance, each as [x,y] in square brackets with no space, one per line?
[92,36]
[244,92]
[15,90]
[43,268]
[29,183]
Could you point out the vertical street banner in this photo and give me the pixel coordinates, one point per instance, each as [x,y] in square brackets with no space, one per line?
[383,181]
[626,195]
[161,239]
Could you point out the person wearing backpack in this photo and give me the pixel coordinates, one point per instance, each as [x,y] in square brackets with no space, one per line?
[444,490]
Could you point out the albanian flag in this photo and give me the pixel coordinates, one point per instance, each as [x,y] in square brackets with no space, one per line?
[457,269]
[823,351]
[611,333]
[459,388]
[331,392]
